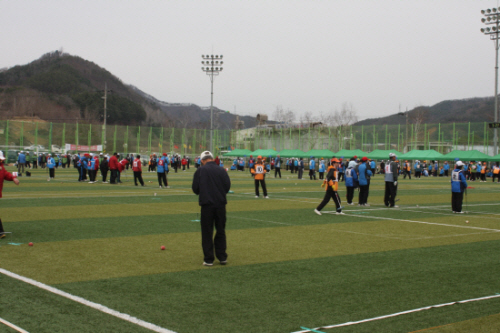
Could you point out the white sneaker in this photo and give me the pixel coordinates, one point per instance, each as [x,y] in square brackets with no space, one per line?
[459,212]
[340,213]
[350,203]
[396,206]
[256,196]
[366,205]
[104,182]
[167,187]
[160,186]
[266,197]
[317,212]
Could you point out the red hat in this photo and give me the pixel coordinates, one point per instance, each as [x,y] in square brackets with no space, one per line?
[364,159]
[164,154]
[355,157]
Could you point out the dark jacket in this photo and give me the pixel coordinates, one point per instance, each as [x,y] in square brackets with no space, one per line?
[211,183]
[104,165]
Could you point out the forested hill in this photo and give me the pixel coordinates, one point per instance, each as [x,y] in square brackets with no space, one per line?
[459,111]
[59,87]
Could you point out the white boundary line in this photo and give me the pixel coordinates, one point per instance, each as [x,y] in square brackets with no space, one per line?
[90,304]
[401,313]
[17,328]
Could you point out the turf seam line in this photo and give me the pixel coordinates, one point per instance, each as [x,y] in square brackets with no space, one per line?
[90,304]
[349,323]
[17,328]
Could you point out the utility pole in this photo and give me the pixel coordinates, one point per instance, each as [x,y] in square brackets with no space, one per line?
[105,97]
[212,62]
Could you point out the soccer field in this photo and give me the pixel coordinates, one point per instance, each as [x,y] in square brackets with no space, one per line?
[96,263]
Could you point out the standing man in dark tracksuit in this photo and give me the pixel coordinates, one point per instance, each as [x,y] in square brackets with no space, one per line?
[211,183]
[391,182]
[277,166]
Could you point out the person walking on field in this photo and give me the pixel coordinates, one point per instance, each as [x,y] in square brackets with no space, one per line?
[277,166]
[458,186]
[5,175]
[332,184]
[211,183]
[258,171]
[162,170]
[391,182]
[137,168]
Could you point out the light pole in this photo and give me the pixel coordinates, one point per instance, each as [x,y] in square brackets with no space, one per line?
[406,115]
[492,20]
[105,98]
[211,67]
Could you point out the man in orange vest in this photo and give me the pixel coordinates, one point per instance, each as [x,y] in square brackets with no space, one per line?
[332,183]
[407,170]
[258,171]
[496,172]
[137,168]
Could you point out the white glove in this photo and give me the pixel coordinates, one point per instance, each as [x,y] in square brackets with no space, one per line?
[395,183]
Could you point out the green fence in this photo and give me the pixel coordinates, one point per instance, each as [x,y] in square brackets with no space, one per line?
[146,140]
[20,135]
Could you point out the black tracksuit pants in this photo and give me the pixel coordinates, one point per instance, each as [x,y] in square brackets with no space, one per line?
[457,199]
[349,194]
[213,217]
[113,176]
[363,194]
[138,175]
[104,174]
[264,189]
[312,174]
[162,176]
[277,170]
[390,194]
[330,194]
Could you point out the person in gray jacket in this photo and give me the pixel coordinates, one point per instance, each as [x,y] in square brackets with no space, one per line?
[391,181]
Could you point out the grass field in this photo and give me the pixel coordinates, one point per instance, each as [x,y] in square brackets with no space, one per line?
[288,268]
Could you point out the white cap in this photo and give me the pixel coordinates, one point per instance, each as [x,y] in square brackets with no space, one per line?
[1,156]
[206,154]
[460,163]
[100,154]
[392,155]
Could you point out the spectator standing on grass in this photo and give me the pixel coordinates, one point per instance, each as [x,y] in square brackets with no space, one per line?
[446,168]
[321,169]
[373,167]
[341,171]
[21,163]
[312,169]
[364,174]
[5,175]
[391,182]
[351,181]
[184,163]
[137,168]
[121,167]
[211,183]
[418,169]
[458,187]
[104,166]
[332,183]
[258,172]
[162,170]
[51,164]
[483,172]
[496,172]
[113,167]
[277,166]
[407,169]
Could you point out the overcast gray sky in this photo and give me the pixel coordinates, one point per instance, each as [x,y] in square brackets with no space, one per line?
[306,55]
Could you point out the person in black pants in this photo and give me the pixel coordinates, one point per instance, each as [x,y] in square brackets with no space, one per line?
[332,183]
[211,183]
[277,166]
[104,169]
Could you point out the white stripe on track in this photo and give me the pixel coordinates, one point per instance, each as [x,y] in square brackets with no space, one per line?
[17,328]
[90,304]
[349,323]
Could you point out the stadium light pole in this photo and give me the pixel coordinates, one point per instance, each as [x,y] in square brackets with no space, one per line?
[405,114]
[211,66]
[492,21]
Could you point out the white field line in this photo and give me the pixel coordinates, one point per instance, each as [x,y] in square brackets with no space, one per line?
[401,313]
[17,328]
[450,214]
[85,302]
[423,222]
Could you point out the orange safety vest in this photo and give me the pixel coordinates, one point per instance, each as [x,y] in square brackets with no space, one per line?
[258,170]
[496,171]
[333,184]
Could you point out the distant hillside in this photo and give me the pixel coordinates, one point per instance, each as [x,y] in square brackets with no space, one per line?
[59,87]
[459,111]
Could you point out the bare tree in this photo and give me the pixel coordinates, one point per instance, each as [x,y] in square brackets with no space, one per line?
[346,116]
[283,116]
[417,117]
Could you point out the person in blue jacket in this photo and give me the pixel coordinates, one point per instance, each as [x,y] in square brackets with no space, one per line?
[321,169]
[21,163]
[364,174]
[341,171]
[312,169]
[161,170]
[351,181]
[458,187]
[51,164]
[418,169]
[446,167]
[295,165]
[373,166]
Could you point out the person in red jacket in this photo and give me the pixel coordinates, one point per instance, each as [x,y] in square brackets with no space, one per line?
[184,162]
[137,168]
[121,166]
[113,167]
[5,175]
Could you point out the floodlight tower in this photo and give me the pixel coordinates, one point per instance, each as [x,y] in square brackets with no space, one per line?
[492,21]
[212,68]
